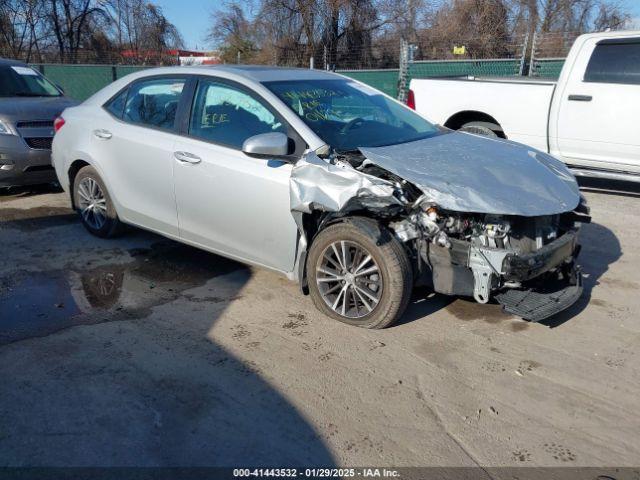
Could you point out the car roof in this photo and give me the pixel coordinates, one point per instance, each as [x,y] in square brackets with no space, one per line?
[264,73]
[254,73]
[7,61]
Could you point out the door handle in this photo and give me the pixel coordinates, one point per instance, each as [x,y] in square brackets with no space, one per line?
[186,157]
[102,134]
[580,98]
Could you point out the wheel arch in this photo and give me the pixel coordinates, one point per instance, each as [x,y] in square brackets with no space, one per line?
[459,119]
[72,172]
[316,221]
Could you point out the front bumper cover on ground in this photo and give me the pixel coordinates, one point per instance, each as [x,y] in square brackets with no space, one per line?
[538,304]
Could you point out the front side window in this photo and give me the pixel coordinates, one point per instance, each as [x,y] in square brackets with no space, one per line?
[22,81]
[347,115]
[615,61]
[228,115]
[154,102]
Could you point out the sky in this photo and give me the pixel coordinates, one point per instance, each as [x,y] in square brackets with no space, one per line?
[634,9]
[193,18]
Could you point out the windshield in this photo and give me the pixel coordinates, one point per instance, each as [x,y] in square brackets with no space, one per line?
[347,115]
[21,81]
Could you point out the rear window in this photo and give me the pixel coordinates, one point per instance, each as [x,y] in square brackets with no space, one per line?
[615,61]
[154,102]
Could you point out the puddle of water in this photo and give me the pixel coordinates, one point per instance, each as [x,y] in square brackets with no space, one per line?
[469,310]
[37,304]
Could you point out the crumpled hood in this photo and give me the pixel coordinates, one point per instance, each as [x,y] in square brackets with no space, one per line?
[469,173]
[17,109]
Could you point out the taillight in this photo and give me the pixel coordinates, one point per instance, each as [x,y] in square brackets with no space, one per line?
[58,123]
[411,100]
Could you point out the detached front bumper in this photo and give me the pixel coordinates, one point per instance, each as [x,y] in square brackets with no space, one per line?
[533,286]
[525,267]
[22,165]
[537,302]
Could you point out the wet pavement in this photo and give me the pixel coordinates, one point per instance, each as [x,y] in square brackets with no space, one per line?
[58,299]
[143,351]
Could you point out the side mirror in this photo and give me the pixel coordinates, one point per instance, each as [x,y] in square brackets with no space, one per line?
[274,144]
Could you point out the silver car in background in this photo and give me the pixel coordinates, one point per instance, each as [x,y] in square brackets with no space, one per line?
[29,103]
[327,181]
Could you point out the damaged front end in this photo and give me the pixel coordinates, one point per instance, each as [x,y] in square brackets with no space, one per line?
[523,255]
[527,264]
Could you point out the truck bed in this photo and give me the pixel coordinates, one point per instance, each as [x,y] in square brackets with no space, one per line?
[519,105]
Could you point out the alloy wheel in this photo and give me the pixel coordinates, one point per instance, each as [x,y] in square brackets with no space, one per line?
[349,279]
[92,203]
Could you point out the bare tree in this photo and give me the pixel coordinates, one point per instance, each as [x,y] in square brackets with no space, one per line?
[367,33]
[21,28]
[233,34]
[69,20]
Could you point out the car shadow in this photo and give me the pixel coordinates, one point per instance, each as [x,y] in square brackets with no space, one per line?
[600,249]
[11,193]
[424,302]
[155,388]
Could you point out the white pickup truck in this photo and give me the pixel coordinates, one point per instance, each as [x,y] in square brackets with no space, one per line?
[589,118]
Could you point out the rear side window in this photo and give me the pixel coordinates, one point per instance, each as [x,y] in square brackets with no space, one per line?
[224,114]
[615,62]
[154,102]
[115,106]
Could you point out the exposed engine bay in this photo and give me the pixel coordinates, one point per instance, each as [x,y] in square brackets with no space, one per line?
[526,263]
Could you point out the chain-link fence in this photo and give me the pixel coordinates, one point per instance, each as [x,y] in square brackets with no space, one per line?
[82,81]
[96,56]
[387,64]
[548,52]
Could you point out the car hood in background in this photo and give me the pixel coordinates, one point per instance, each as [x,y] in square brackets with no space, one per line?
[468,173]
[17,109]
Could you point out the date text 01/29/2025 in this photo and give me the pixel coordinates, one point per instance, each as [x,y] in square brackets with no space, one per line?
[316,472]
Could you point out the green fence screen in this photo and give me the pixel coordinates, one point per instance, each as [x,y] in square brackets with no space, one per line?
[547,67]
[82,81]
[387,80]
[384,80]
[451,68]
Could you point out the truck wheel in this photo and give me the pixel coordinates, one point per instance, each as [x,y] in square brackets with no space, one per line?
[359,274]
[480,128]
[93,203]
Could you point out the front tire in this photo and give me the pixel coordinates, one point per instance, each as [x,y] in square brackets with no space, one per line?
[359,273]
[93,203]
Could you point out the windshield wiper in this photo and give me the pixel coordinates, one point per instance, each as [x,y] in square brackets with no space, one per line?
[31,94]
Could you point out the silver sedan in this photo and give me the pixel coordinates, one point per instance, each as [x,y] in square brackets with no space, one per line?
[328,181]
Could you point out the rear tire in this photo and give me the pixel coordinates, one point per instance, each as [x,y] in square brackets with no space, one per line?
[93,203]
[374,300]
[480,128]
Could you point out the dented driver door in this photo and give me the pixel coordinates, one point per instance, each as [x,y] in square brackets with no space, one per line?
[227,201]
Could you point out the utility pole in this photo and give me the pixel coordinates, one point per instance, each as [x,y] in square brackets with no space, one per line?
[403,72]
